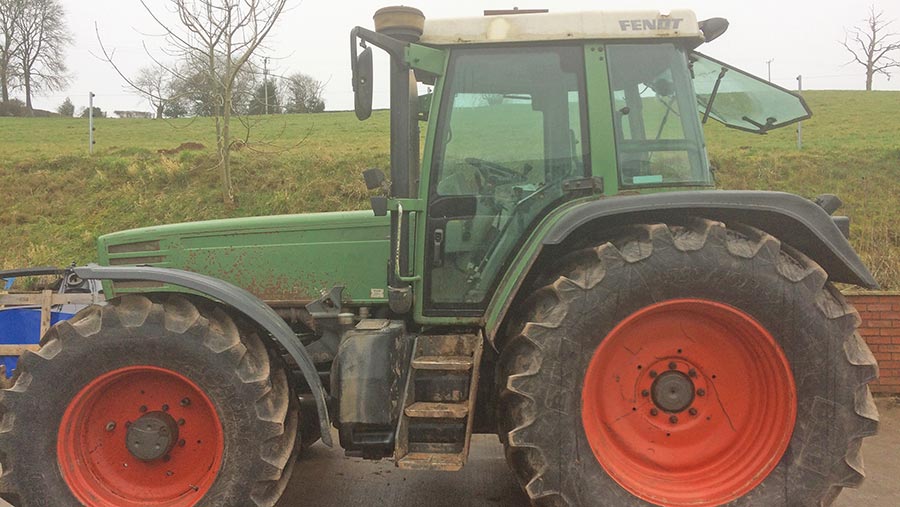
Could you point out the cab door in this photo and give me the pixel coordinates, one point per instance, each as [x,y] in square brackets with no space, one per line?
[511,131]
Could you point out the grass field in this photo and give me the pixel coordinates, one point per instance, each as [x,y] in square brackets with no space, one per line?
[55,199]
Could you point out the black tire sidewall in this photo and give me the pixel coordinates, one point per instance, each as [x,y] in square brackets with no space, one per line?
[812,343]
[53,385]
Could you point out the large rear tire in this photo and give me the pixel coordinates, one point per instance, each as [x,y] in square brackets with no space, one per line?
[148,401]
[686,365]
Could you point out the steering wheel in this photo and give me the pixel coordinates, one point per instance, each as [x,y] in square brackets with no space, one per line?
[494,171]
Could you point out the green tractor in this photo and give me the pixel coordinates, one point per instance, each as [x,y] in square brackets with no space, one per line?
[553,267]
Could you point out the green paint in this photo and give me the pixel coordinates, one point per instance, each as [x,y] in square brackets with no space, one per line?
[417,255]
[408,204]
[431,60]
[278,258]
[602,135]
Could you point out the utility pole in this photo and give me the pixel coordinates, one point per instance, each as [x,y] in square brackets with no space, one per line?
[769,64]
[266,81]
[91,123]
[800,123]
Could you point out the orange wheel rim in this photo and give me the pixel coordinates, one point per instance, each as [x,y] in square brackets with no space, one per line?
[689,402]
[140,436]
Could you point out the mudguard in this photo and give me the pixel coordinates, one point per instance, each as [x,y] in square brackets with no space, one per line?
[237,298]
[792,219]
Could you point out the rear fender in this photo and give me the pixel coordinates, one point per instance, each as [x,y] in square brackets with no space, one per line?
[239,299]
[792,219]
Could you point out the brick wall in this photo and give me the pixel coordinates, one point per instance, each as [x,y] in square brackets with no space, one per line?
[880,313]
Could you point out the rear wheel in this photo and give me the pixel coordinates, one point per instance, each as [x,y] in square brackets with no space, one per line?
[686,365]
[148,402]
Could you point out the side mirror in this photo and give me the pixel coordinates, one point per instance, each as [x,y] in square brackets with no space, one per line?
[362,84]
[374,178]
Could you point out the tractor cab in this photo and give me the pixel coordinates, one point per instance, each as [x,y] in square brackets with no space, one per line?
[530,112]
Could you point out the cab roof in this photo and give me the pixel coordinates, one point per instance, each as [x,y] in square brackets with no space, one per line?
[628,25]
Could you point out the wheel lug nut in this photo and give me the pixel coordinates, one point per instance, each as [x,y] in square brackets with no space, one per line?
[692,411]
[143,408]
[111,425]
[181,422]
[652,373]
[673,420]
[701,392]
[165,407]
[181,443]
[693,373]
[645,393]
[185,402]
[169,473]
[673,366]
[654,412]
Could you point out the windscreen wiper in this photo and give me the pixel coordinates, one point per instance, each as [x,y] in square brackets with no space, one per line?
[763,127]
[712,96]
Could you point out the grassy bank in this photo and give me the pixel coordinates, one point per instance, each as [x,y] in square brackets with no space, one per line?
[55,200]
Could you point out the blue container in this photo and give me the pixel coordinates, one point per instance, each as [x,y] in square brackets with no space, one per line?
[22,326]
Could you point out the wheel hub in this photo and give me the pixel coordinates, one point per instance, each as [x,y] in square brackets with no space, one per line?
[673,391]
[140,436]
[152,436]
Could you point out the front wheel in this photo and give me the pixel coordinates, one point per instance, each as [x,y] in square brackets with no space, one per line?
[150,402]
[689,365]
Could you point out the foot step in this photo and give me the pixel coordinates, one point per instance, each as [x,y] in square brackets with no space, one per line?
[435,427]
[429,410]
[432,461]
[449,363]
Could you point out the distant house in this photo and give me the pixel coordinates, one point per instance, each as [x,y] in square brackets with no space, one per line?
[133,114]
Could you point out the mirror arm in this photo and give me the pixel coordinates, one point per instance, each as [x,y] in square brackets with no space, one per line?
[394,47]
[712,96]
[353,56]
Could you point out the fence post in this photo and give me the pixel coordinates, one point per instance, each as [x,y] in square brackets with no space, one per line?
[91,123]
[800,124]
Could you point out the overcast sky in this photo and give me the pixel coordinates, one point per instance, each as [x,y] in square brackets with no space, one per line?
[312,36]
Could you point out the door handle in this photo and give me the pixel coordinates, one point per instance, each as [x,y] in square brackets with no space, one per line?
[437,260]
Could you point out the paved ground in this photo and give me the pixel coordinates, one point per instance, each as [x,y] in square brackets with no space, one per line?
[325,478]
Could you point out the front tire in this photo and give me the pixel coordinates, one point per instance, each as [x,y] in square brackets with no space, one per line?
[686,365]
[148,401]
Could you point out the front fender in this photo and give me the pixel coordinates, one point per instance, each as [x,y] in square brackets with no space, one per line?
[792,219]
[237,298]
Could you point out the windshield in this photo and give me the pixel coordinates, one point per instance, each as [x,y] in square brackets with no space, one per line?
[510,133]
[741,100]
[658,136]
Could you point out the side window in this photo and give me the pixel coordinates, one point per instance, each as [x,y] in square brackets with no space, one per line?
[488,131]
[509,135]
[658,137]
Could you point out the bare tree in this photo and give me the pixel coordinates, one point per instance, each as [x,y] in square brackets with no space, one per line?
[10,12]
[304,94]
[153,83]
[872,45]
[43,37]
[191,85]
[217,38]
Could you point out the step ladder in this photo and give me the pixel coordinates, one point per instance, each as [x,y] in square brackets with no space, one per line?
[435,425]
